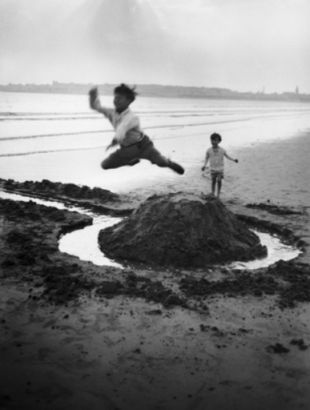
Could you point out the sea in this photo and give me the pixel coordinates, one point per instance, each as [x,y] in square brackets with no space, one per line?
[59,138]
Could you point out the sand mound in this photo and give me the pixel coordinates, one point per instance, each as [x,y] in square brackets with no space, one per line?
[181,230]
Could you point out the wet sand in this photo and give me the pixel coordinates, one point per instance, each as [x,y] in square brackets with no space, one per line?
[74,335]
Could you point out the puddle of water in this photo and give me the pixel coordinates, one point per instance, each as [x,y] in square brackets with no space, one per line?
[276,249]
[83,243]
[45,202]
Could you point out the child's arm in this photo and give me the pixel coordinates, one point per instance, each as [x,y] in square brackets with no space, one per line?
[206,161]
[230,158]
[94,102]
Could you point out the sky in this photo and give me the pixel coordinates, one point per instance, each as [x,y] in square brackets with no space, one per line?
[244,45]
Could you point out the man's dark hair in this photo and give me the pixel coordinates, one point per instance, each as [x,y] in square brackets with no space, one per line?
[124,89]
[215,136]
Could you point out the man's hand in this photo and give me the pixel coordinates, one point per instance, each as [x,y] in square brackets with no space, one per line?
[236,160]
[93,95]
[203,168]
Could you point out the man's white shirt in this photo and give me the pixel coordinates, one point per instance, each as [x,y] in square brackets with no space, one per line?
[126,124]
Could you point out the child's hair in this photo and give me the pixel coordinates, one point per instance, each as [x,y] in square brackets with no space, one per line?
[215,136]
[127,91]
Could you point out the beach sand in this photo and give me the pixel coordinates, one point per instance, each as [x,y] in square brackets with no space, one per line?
[87,337]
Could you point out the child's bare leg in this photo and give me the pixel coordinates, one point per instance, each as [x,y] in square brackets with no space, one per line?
[213,184]
[219,186]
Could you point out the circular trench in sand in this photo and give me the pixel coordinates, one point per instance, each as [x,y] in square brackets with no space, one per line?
[83,243]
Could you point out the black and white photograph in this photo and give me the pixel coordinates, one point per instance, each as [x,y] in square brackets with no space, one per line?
[154,204]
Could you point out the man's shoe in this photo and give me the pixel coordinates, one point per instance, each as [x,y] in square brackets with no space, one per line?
[176,167]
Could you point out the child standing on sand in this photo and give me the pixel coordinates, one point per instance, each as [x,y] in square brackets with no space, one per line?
[134,144]
[216,156]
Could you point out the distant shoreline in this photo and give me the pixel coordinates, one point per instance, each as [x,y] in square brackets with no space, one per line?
[162,91]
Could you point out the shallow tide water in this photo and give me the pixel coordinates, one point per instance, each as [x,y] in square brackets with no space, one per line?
[57,137]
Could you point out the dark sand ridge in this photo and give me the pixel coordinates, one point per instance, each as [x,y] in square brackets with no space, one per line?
[41,275]
[47,190]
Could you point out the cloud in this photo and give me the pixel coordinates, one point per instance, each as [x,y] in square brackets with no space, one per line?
[238,44]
